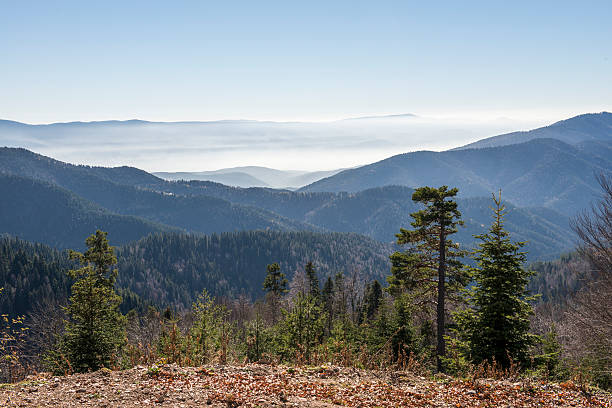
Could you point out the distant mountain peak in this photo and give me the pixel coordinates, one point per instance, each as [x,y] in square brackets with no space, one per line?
[587,126]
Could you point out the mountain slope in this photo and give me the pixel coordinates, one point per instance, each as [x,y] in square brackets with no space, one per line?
[24,163]
[170,269]
[211,207]
[379,212]
[41,212]
[117,190]
[175,268]
[541,172]
[590,126]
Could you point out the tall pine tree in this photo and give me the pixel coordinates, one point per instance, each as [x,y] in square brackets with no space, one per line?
[275,281]
[429,270]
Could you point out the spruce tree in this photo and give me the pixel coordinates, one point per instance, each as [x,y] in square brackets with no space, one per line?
[95,330]
[303,325]
[206,331]
[275,281]
[372,299]
[313,280]
[275,285]
[429,270]
[404,338]
[327,297]
[496,326]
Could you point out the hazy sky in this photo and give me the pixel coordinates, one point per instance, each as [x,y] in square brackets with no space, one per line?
[306,60]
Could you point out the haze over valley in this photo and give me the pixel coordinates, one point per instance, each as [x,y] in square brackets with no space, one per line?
[214,145]
[546,179]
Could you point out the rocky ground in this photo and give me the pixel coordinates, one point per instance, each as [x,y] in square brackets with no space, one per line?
[257,385]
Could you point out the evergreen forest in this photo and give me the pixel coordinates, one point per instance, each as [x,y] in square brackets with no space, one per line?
[310,297]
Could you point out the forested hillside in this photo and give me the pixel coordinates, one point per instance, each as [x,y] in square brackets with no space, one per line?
[379,211]
[172,269]
[42,212]
[538,173]
[558,281]
[30,273]
[28,164]
[113,189]
[587,127]
[210,207]
[188,275]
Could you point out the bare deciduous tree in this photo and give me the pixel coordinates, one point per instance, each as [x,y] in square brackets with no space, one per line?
[594,228]
[587,329]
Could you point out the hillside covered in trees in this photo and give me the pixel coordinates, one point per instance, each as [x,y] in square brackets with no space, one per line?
[540,172]
[195,299]
[582,128]
[213,208]
[558,280]
[38,211]
[305,204]
[171,269]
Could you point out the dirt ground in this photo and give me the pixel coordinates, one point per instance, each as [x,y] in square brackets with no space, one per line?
[256,385]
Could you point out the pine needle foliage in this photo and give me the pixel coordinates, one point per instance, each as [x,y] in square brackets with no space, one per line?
[275,281]
[496,326]
[429,270]
[95,331]
[275,285]
[313,280]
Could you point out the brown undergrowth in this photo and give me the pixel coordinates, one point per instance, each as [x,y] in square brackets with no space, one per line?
[261,385]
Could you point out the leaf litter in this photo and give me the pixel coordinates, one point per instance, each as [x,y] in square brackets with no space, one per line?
[258,385]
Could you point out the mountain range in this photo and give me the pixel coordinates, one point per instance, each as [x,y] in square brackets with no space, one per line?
[581,128]
[114,191]
[544,181]
[543,172]
[94,197]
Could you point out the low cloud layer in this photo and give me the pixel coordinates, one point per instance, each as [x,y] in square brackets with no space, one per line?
[199,146]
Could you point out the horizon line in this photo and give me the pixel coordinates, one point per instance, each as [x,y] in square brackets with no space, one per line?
[388,116]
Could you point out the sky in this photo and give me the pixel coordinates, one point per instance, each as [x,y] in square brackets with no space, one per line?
[512,65]
[289,60]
